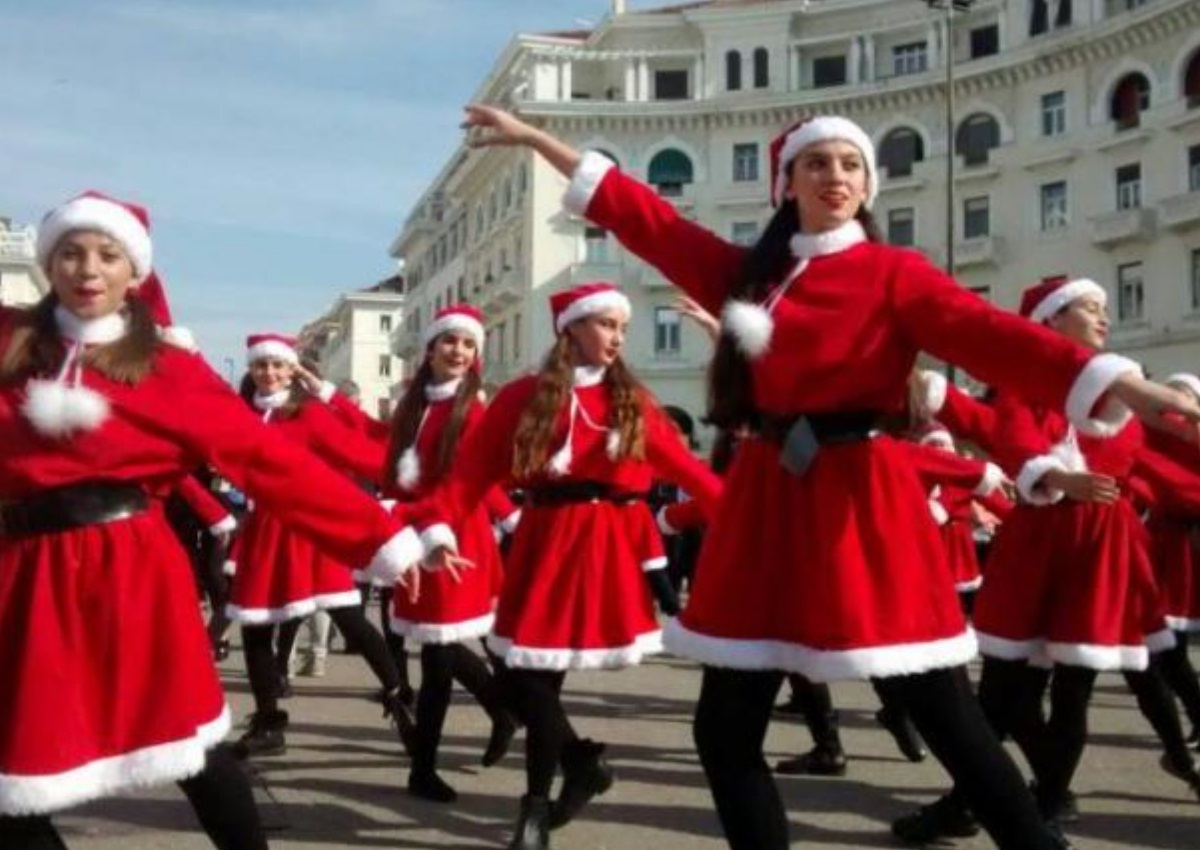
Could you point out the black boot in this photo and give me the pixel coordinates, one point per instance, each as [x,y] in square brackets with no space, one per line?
[425,783]
[1056,809]
[395,707]
[946,817]
[585,774]
[503,729]
[827,758]
[264,737]
[905,734]
[533,826]
[1183,769]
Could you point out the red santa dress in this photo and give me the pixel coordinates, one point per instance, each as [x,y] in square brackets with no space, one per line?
[1174,527]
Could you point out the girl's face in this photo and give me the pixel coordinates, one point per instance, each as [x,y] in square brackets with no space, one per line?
[451,355]
[90,273]
[271,375]
[1084,320]
[828,184]
[598,338]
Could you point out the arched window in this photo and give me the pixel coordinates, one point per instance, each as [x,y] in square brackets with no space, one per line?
[899,150]
[1130,97]
[976,135]
[1191,81]
[669,172]
[762,68]
[733,71]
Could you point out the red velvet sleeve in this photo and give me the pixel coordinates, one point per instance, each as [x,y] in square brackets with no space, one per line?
[201,501]
[355,417]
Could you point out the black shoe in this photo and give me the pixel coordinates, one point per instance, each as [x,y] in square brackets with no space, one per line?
[533,826]
[402,718]
[427,785]
[264,737]
[585,774]
[943,818]
[904,733]
[819,761]
[1187,772]
[1064,809]
[503,729]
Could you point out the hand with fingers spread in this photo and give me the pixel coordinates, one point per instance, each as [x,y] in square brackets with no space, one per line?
[1159,406]
[489,126]
[1083,486]
[705,320]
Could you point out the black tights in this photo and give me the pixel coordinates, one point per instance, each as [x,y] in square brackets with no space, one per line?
[395,642]
[1180,675]
[731,723]
[536,698]
[220,795]
[441,665]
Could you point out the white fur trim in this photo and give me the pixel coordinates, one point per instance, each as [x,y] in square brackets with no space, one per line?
[226,525]
[59,410]
[822,129]
[361,577]
[101,215]
[1030,476]
[229,568]
[442,632]
[326,391]
[560,462]
[272,348]
[969,585]
[1099,657]
[663,525]
[938,511]
[1183,624]
[651,564]
[293,610]
[935,391]
[805,246]
[993,478]
[1006,649]
[1161,640]
[548,658]
[408,469]
[454,322]
[612,443]
[1073,290]
[1091,384]
[178,336]
[585,181]
[437,536]
[750,325]
[1185,379]
[820,665]
[396,557]
[155,765]
[589,305]
[509,523]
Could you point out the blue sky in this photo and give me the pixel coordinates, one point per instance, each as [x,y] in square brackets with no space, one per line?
[277,143]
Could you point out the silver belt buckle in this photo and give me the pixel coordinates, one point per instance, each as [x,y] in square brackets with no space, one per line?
[799,448]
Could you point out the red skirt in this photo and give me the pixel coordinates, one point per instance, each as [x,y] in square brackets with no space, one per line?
[106,675]
[281,576]
[1173,553]
[1072,584]
[837,574]
[575,595]
[448,611]
[959,544]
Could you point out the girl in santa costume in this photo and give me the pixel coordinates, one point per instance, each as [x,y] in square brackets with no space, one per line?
[583,440]
[823,559]
[440,408]
[1069,580]
[281,576]
[106,677]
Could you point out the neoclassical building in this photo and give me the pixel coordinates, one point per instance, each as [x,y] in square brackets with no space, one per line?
[1075,137]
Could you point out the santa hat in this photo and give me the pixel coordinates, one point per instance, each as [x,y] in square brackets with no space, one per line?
[277,346]
[462,318]
[1046,299]
[936,434]
[788,144]
[587,299]
[1185,379]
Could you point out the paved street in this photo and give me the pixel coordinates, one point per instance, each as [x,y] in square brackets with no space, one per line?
[341,783]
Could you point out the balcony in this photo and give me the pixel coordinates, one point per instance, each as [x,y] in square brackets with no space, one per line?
[18,245]
[1114,228]
[978,251]
[1180,212]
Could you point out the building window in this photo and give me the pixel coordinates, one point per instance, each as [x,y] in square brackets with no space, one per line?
[1191,81]
[1194,168]
[902,227]
[1062,17]
[666,331]
[1130,98]
[383,409]
[595,245]
[1130,294]
[1196,280]
[669,172]
[522,178]
[733,71]
[1054,206]
[385,324]
[516,342]
[909,58]
[829,71]
[670,85]
[745,163]
[899,150]
[1039,17]
[985,41]
[762,68]
[976,136]
[744,233]
[1129,186]
[500,343]
[977,217]
[1054,113]
[385,365]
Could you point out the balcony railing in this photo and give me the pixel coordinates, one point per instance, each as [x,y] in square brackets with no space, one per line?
[978,251]
[1114,228]
[18,244]
[1180,212]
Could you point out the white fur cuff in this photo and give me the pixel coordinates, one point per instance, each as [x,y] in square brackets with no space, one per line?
[935,391]
[1090,386]
[438,536]
[1030,476]
[993,478]
[228,525]
[396,557]
[585,181]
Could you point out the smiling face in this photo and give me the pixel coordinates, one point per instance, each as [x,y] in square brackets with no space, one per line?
[271,375]
[828,184]
[90,273]
[1084,320]
[598,338]
[451,355]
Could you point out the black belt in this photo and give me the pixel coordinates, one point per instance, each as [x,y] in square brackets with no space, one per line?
[580,492]
[800,437]
[72,506]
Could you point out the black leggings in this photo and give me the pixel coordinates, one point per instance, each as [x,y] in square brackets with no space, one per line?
[731,723]
[395,642]
[536,698]
[350,621]
[220,795]
[441,665]
[1179,673]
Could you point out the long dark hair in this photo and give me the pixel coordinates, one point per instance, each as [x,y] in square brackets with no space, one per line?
[407,419]
[730,388]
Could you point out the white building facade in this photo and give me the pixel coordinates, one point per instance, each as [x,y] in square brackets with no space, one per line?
[21,281]
[1076,139]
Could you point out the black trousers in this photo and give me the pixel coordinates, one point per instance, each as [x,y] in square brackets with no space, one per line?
[220,795]
[535,696]
[441,666]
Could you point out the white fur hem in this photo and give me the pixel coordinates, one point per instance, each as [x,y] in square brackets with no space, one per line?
[228,525]
[442,632]
[935,391]
[1091,384]
[1100,657]
[1162,640]
[437,536]
[156,765]
[229,568]
[651,564]
[1031,475]
[585,181]
[1183,624]
[969,586]
[292,610]
[396,557]
[820,665]
[1006,649]
[552,658]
